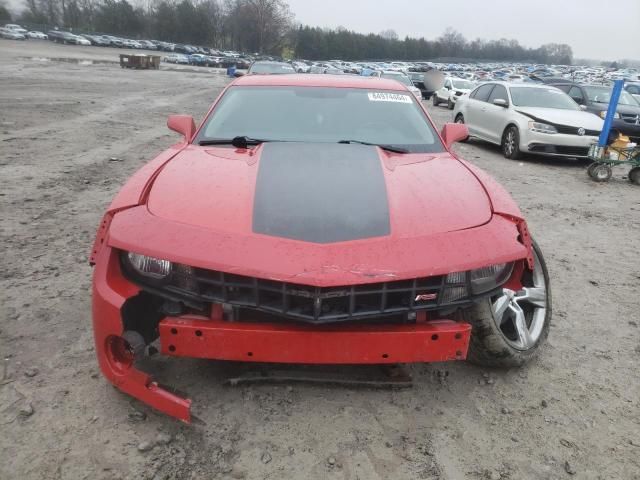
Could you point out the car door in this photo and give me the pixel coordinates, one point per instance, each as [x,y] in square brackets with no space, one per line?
[495,117]
[443,93]
[576,94]
[476,106]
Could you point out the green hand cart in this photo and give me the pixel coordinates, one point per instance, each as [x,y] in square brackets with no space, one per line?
[606,157]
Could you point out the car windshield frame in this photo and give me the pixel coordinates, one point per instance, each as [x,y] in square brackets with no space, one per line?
[625,97]
[406,81]
[325,114]
[517,100]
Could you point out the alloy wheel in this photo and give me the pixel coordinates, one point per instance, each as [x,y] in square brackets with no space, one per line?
[520,315]
[509,142]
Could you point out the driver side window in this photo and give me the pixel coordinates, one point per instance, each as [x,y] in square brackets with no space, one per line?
[498,92]
[576,94]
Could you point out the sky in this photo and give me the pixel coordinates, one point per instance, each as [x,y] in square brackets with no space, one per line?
[593,28]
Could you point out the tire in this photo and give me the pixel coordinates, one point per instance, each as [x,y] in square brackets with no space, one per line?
[434,98]
[460,119]
[591,167]
[634,175]
[493,346]
[601,173]
[450,104]
[511,143]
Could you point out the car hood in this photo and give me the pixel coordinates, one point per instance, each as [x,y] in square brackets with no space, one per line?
[572,118]
[318,193]
[628,109]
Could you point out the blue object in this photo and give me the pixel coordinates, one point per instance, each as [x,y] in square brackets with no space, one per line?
[611,111]
[231,71]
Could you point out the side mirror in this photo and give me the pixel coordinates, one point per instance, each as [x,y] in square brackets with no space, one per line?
[183,124]
[239,74]
[501,102]
[583,107]
[454,132]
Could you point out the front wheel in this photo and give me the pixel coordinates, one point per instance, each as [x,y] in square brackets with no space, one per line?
[460,119]
[509,328]
[634,175]
[511,143]
[435,100]
[450,104]
[601,173]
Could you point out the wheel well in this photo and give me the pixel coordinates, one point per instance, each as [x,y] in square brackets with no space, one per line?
[459,115]
[507,128]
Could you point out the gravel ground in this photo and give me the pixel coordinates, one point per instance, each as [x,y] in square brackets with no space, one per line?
[71,134]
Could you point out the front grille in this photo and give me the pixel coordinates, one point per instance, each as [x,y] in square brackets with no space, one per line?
[316,304]
[567,130]
[631,118]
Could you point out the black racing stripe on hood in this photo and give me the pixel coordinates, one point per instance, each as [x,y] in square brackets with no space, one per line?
[320,193]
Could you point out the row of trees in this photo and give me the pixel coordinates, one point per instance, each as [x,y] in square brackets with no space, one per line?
[267,26]
[316,43]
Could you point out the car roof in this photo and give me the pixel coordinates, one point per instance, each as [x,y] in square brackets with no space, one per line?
[518,84]
[269,62]
[306,80]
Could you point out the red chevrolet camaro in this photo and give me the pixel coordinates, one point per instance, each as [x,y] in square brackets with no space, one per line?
[313,219]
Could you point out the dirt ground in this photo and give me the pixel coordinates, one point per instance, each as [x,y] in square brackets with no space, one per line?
[71,134]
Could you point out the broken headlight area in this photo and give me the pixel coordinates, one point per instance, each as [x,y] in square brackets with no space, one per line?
[187,289]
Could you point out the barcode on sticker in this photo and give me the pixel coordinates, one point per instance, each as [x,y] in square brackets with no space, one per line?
[389,97]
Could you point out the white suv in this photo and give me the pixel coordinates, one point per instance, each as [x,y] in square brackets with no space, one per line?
[452,89]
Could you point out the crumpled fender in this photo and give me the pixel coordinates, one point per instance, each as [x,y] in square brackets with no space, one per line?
[132,194]
[503,204]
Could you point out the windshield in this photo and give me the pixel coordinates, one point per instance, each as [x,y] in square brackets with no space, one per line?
[321,114]
[603,95]
[400,78]
[272,68]
[542,97]
[463,84]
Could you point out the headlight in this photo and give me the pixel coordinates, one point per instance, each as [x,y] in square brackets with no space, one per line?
[487,278]
[459,285]
[603,114]
[150,267]
[542,128]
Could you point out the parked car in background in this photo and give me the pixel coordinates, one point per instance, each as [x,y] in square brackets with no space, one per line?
[528,118]
[16,29]
[404,79]
[633,89]
[113,41]
[177,58]
[595,99]
[79,40]
[270,68]
[59,36]
[300,67]
[148,45]
[198,59]
[417,78]
[10,34]
[97,40]
[451,91]
[37,35]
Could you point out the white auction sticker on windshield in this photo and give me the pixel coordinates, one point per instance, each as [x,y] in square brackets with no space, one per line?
[389,97]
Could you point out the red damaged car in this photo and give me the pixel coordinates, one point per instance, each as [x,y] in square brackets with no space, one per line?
[313,219]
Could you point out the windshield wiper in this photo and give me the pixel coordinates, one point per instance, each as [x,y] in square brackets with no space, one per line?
[239,142]
[388,148]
